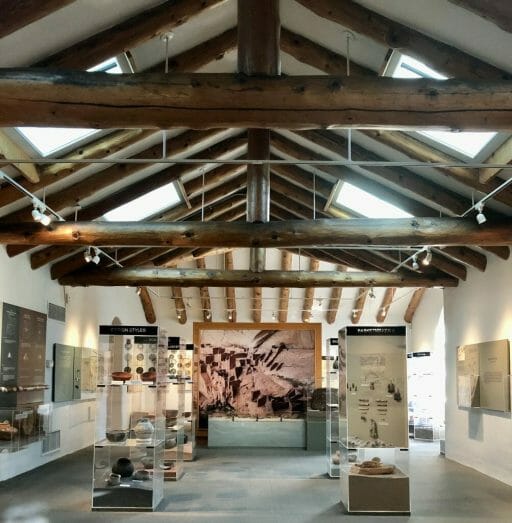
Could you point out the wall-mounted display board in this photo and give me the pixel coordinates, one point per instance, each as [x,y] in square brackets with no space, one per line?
[483,375]
[256,370]
[373,431]
[22,356]
[74,373]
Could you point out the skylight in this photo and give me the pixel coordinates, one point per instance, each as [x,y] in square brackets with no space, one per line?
[146,205]
[47,140]
[366,204]
[468,143]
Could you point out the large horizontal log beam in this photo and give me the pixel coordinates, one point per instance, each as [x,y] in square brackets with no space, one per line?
[294,233]
[238,278]
[496,11]
[101,100]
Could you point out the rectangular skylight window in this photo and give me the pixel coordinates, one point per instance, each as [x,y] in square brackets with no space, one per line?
[146,205]
[48,140]
[366,204]
[468,143]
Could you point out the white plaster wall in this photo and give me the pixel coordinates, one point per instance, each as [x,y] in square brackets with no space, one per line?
[480,309]
[21,286]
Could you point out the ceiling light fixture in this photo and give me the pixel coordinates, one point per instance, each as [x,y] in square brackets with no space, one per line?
[371,293]
[428,257]
[415,264]
[96,257]
[274,317]
[88,255]
[480,217]
[139,290]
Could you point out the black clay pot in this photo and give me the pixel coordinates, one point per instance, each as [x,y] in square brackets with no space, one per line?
[124,467]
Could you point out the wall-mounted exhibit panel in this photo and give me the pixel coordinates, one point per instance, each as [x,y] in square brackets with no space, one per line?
[257,371]
[22,356]
[483,375]
[74,373]
[373,419]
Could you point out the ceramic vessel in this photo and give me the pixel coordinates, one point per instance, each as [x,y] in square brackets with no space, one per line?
[142,475]
[148,376]
[144,429]
[116,436]
[124,467]
[121,376]
[114,479]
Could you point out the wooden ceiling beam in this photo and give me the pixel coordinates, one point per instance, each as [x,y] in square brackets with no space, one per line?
[387,300]
[128,34]
[230,291]
[10,149]
[199,101]
[204,293]
[99,148]
[359,302]
[334,300]
[284,293]
[204,53]
[496,11]
[304,179]
[308,52]
[309,294]
[414,304]
[147,304]
[502,155]
[436,54]
[179,305]
[256,304]
[243,278]
[132,191]
[308,233]
[18,14]
[466,255]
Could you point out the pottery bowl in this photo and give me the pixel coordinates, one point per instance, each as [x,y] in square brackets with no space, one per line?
[148,376]
[116,436]
[121,376]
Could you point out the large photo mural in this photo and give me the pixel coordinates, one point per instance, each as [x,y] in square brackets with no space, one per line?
[255,372]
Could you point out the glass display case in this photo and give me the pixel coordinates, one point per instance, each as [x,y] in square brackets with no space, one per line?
[332,409]
[23,425]
[129,461]
[373,420]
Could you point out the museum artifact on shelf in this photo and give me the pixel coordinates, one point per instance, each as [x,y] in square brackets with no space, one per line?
[129,461]
[373,430]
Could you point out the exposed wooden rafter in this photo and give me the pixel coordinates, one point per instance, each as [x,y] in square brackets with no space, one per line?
[199,101]
[204,293]
[414,304]
[359,302]
[335,299]
[284,293]
[10,149]
[386,304]
[129,33]
[497,11]
[147,304]
[18,14]
[230,291]
[309,293]
[436,54]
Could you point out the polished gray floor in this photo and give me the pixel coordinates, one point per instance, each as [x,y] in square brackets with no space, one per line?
[259,485]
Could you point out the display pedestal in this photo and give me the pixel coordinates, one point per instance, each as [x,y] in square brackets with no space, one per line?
[316,430]
[248,432]
[380,493]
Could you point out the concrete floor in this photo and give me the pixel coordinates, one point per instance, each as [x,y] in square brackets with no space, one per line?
[259,485]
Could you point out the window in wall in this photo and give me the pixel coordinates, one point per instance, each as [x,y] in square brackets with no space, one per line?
[147,205]
[47,140]
[467,143]
[365,204]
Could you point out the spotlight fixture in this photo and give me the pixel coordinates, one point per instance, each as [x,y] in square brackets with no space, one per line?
[208,315]
[179,316]
[371,294]
[88,255]
[230,316]
[274,317]
[139,290]
[480,217]
[428,257]
[46,219]
[415,265]
[96,257]
[38,213]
